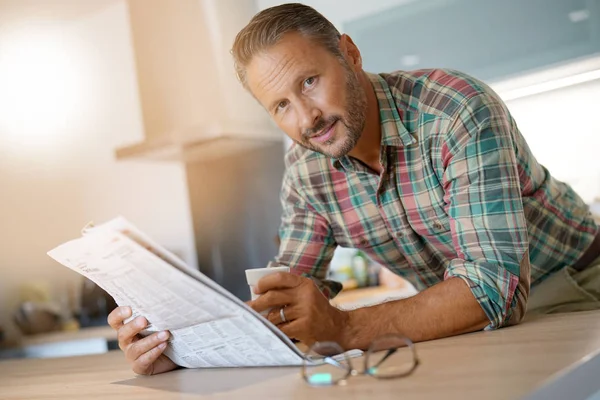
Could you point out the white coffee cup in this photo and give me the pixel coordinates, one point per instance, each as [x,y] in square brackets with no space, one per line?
[254,275]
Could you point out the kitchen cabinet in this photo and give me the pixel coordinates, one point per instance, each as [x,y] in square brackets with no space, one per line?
[489,39]
[193,107]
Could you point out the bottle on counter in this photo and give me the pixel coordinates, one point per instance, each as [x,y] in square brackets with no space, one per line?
[360,267]
[373,273]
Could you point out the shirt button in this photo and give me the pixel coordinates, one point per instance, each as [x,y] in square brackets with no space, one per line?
[399,234]
[364,242]
[438,225]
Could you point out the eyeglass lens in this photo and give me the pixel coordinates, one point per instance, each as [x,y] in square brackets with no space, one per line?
[326,369]
[390,357]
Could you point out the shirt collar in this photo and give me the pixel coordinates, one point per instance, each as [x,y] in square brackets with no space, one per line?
[393,131]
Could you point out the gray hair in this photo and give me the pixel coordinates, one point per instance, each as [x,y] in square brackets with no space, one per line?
[269,26]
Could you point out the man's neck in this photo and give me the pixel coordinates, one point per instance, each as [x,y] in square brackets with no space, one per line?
[368,147]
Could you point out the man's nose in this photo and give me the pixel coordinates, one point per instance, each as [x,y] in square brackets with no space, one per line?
[308,115]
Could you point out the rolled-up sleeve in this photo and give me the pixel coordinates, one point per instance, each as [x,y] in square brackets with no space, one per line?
[484,204]
[307,242]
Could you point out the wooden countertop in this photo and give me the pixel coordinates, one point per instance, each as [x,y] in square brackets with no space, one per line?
[503,364]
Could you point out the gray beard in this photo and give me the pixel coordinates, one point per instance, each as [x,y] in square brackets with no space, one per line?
[354,121]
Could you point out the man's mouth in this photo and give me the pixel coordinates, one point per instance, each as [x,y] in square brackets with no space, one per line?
[325,134]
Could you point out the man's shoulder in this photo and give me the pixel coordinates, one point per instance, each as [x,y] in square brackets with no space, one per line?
[435,91]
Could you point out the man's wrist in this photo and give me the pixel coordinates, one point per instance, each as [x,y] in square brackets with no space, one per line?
[360,328]
[347,335]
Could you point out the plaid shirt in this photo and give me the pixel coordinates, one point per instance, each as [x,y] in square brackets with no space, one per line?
[460,195]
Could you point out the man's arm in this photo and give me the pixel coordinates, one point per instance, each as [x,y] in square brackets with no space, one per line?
[482,184]
[487,284]
[446,309]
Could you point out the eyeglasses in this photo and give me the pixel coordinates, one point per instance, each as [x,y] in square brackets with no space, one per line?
[388,357]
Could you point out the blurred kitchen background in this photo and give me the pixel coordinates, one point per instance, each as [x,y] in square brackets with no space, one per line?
[131,107]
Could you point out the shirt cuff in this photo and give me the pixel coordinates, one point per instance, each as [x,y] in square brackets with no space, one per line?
[330,289]
[493,287]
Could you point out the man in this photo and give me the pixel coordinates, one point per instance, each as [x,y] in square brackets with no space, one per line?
[426,172]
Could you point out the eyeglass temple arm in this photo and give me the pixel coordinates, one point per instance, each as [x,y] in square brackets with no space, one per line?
[333,361]
[389,353]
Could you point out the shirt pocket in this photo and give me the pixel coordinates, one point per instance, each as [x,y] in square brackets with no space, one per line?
[430,221]
[362,233]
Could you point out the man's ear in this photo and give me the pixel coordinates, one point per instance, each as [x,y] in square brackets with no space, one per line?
[350,52]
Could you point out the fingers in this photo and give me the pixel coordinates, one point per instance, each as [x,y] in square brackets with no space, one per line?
[127,332]
[142,353]
[291,329]
[273,298]
[279,280]
[138,349]
[290,313]
[117,316]
[144,364]
[274,317]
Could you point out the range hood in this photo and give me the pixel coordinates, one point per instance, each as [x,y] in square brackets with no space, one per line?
[193,107]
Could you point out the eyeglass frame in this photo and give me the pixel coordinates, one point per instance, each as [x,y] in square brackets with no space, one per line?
[366,371]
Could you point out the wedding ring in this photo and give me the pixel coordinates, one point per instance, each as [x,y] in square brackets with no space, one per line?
[282,315]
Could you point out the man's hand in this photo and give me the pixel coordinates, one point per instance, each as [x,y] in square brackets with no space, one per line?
[309,316]
[144,354]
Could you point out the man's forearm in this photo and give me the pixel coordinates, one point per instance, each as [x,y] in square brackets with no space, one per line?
[446,309]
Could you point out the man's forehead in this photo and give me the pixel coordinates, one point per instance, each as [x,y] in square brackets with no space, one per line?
[280,64]
[267,73]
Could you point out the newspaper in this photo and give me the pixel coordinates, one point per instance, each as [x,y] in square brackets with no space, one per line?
[209,326]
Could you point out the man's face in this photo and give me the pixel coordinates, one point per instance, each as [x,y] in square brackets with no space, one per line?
[312,95]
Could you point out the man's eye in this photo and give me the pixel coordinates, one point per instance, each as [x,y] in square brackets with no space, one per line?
[282,104]
[308,82]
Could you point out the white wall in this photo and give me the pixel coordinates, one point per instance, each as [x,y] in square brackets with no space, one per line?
[68,97]
[562,128]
